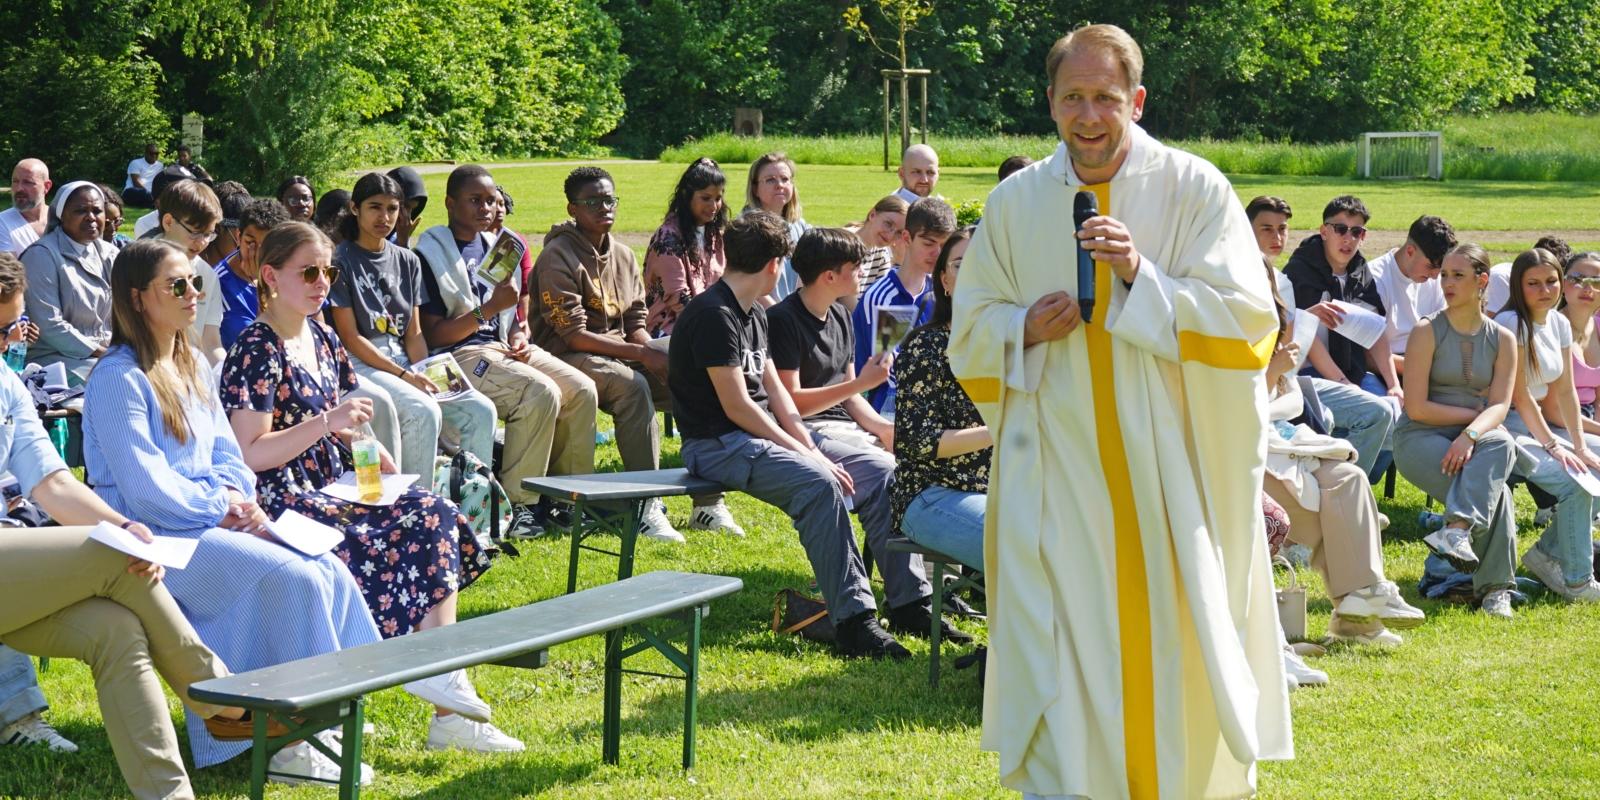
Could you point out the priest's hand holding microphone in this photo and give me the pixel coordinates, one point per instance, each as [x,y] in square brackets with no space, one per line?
[1101,240]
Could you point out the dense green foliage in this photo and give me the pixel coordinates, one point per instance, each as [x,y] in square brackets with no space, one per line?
[315,86]
[306,86]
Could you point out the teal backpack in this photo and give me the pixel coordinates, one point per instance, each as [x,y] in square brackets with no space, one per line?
[464,480]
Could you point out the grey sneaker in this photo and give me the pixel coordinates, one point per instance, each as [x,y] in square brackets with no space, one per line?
[1540,565]
[1455,546]
[1497,603]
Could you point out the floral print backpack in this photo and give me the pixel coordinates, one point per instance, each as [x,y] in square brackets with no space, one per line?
[467,482]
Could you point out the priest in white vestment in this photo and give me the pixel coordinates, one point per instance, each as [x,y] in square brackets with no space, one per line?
[1133,643]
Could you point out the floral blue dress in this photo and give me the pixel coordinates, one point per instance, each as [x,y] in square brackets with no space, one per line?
[407,556]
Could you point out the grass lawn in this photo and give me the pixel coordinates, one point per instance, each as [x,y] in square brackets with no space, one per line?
[1468,708]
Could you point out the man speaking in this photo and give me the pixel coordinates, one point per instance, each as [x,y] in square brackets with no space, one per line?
[1132,644]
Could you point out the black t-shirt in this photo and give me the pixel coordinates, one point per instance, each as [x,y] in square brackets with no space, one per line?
[714,331]
[821,349]
[472,253]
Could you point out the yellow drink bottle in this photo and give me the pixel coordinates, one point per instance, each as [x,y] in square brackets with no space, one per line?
[364,449]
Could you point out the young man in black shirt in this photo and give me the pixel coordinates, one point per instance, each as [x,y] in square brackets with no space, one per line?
[548,406]
[741,428]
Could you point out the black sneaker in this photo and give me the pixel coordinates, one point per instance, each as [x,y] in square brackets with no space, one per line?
[960,608]
[861,635]
[915,619]
[525,523]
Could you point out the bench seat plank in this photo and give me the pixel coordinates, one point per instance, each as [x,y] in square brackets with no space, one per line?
[331,677]
[617,486]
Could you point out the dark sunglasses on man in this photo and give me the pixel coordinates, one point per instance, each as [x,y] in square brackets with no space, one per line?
[1341,229]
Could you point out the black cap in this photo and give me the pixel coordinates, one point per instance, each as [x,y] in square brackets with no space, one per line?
[411,184]
[167,176]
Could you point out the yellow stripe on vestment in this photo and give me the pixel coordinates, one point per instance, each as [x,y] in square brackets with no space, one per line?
[1133,590]
[981,390]
[1224,353]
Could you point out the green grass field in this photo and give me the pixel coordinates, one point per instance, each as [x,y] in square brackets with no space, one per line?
[1468,708]
[1538,146]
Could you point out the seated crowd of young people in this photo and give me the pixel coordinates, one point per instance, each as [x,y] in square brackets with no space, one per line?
[232,355]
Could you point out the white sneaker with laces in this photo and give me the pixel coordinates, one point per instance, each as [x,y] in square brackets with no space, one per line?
[1454,545]
[31,730]
[655,524]
[1302,673]
[1497,604]
[714,518]
[1587,593]
[1380,602]
[301,764]
[455,732]
[1548,571]
[452,692]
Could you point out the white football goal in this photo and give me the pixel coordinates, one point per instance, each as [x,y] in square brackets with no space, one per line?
[1401,154]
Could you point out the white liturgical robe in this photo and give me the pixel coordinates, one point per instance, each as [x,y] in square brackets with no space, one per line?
[1133,643]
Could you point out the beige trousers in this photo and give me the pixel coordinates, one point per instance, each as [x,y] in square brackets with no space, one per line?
[548,407]
[1343,534]
[68,597]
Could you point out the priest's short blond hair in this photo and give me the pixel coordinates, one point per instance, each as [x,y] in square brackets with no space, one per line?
[1106,38]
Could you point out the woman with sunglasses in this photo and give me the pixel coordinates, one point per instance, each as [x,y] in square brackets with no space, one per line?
[685,254]
[158,448]
[69,283]
[1451,442]
[374,310]
[1582,296]
[1547,414]
[189,213]
[285,385]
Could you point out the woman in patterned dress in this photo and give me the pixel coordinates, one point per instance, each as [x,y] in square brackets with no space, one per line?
[685,254]
[284,385]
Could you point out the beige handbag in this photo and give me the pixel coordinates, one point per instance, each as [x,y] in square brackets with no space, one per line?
[1291,603]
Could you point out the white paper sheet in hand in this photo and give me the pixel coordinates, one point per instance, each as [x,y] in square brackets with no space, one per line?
[1360,325]
[393,487]
[1587,480]
[304,533]
[168,551]
[1306,326]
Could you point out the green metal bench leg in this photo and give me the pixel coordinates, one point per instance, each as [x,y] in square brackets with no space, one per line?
[691,686]
[258,756]
[611,727]
[577,544]
[350,751]
[629,534]
[936,631]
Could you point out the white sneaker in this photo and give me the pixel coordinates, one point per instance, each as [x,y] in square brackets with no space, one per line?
[1548,571]
[1383,521]
[455,732]
[1289,681]
[1497,604]
[1380,602]
[452,692]
[655,524]
[301,764]
[714,518]
[31,730]
[1303,674]
[1454,545]
[1349,632]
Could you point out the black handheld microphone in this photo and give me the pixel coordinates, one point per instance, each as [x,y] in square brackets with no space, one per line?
[1085,206]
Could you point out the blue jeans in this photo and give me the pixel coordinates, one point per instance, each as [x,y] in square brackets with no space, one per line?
[19,687]
[949,521]
[1361,416]
[1569,538]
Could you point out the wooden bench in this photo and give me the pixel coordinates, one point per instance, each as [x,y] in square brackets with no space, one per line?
[327,691]
[613,503]
[939,565]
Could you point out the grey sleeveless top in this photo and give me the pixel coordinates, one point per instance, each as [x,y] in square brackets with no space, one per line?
[1463,365]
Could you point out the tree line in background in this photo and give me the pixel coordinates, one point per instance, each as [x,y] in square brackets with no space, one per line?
[314,86]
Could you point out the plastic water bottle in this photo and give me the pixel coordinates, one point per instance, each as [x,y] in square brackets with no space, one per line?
[365,451]
[17,352]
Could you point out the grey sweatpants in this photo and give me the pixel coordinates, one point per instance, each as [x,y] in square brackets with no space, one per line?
[1476,495]
[808,494]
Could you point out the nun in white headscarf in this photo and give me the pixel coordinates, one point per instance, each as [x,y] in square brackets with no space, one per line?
[69,282]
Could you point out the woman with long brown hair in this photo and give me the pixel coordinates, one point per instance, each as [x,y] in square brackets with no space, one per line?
[158,448]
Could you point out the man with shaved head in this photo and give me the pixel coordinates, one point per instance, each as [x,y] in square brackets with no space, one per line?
[919,173]
[23,223]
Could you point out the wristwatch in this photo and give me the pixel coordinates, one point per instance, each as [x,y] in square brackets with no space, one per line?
[1472,435]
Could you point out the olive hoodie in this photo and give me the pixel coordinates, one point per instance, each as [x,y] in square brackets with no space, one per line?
[576,287]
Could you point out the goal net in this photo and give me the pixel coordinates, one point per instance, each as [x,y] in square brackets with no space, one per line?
[1401,154]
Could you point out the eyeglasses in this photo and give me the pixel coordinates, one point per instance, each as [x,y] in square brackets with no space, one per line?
[180,286]
[196,236]
[309,274]
[1341,229]
[608,202]
[1586,281]
[5,330]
